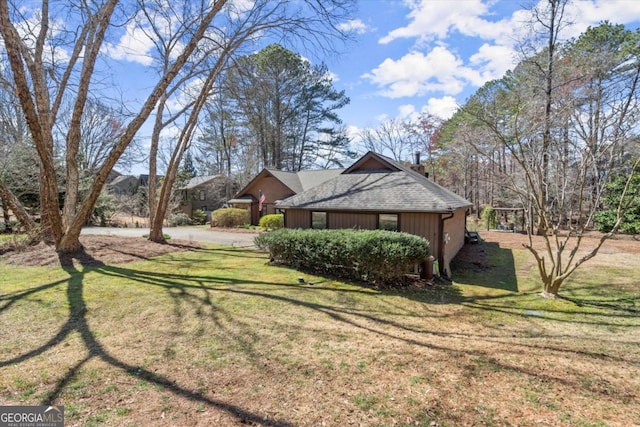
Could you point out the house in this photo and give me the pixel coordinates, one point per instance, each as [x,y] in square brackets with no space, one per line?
[123,185]
[206,193]
[378,192]
[272,185]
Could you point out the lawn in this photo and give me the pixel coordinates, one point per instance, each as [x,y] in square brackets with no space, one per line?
[216,336]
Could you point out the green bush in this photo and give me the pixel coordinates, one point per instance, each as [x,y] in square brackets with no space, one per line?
[229,217]
[199,217]
[179,219]
[375,256]
[489,217]
[103,210]
[272,221]
[606,218]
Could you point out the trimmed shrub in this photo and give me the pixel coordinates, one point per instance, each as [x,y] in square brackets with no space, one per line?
[229,217]
[199,217]
[272,221]
[179,219]
[375,256]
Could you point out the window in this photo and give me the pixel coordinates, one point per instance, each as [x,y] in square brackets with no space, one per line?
[388,222]
[319,220]
[202,195]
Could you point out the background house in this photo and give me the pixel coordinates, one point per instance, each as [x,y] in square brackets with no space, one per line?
[275,185]
[378,192]
[206,193]
[123,185]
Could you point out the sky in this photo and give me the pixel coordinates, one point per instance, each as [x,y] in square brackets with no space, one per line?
[415,56]
[407,57]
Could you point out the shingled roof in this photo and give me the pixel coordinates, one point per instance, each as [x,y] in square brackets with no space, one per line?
[376,183]
[199,180]
[304,180]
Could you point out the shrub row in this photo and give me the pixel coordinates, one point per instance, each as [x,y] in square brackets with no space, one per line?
[375,256]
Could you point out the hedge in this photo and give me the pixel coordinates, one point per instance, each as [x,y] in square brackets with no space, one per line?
[229,217]
[375,256]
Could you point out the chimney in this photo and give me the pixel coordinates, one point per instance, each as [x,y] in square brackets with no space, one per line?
[418,167]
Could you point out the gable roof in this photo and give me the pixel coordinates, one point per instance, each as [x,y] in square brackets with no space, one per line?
[121,179]
[297,182]
[198,181]
[377,183]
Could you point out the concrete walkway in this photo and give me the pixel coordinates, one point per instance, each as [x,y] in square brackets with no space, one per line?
[195,234]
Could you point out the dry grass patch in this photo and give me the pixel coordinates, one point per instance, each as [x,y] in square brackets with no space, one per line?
[216,336]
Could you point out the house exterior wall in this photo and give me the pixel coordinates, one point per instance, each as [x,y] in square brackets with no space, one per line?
[214,192]
[454,236]
[297,218]
[422,224]
[273,190]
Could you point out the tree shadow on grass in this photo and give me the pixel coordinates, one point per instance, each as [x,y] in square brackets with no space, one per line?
[630,305]
[198,290]
[77,322]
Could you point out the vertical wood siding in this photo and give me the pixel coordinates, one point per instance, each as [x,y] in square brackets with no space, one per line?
[424,225]
[296,218]
[455,228]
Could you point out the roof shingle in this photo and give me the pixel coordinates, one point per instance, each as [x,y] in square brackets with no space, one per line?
[402,190]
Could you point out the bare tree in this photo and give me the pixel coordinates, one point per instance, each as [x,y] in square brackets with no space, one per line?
[42,87]
[566,152]
[392,138]
[18,167]
[313,21]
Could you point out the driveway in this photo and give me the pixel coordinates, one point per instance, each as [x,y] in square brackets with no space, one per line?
[196,234]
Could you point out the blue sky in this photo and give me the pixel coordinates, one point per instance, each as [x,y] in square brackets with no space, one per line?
[415,56]
[408,56]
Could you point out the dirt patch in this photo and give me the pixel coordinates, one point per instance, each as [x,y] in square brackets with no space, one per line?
[97,250]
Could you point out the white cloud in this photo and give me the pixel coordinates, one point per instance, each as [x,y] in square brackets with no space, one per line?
[443,107]
[333,76]
[492,61]
[382,117]
[407,111]
[241,6]
[435,19]
[416,74]
[133,46]
[354,133]
[29,30]
[587,12]
[354,25]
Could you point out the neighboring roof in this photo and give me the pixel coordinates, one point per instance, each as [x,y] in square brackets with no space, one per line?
[297,181]
[392,187]
[198,181]
[122,178]
[243,199]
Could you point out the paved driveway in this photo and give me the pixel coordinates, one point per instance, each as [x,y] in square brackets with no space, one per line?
[196,234]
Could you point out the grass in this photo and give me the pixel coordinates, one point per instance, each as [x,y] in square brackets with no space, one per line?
[12,240]
[217,336]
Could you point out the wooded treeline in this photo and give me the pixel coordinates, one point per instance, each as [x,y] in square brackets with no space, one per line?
[61,113]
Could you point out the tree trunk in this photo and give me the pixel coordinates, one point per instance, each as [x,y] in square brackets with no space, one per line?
[155,233]
[10,201]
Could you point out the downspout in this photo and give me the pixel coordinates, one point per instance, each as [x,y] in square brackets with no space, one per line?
[441,243]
